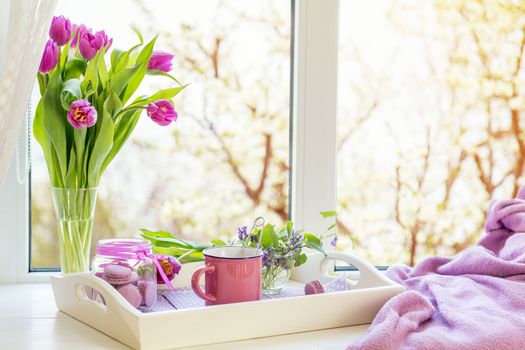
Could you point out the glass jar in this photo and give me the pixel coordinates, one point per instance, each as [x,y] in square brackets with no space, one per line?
[277,269]
[127,264]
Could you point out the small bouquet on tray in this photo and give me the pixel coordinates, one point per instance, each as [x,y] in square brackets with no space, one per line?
[283,250]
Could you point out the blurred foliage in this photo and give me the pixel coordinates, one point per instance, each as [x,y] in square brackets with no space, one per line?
[431,129]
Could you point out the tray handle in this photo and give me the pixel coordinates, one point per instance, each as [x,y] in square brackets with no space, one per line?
[369,275]
[75,294]
[319,267]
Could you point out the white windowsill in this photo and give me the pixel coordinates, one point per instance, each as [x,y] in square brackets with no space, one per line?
[29,319]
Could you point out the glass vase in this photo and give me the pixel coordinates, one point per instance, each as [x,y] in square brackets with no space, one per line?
[75,209]
[276,272]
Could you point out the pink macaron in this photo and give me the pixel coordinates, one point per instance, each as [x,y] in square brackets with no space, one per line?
[148,290]
[314,287]
[117,275]
[134,278]
[131,293]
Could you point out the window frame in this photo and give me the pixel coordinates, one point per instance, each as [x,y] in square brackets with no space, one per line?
[313,130]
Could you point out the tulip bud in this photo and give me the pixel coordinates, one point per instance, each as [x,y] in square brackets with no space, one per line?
[78,30]
[49,57]
[105,40]
[162,112]
[89,43]
[160,61]
[60,30]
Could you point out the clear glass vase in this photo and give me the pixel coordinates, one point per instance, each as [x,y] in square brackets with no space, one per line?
[276,272]
[75,209]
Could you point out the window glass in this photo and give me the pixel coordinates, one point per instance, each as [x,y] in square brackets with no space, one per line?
[225,161]
[430,121]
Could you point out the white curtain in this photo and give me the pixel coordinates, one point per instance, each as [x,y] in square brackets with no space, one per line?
[24,26]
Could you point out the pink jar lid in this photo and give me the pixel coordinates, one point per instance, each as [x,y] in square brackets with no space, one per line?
[125,248]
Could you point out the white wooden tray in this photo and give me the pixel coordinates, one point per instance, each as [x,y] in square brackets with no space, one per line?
[214,324]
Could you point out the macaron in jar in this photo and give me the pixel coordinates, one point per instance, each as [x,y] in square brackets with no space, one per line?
[128,265]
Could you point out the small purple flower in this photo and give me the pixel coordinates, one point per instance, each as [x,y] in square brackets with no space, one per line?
[60,30]
[82,114]
[298,246]
[160,60]
[49,57]
[334,241]
[242,232]
[162,112]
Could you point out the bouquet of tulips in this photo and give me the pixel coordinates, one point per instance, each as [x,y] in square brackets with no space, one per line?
[85,115]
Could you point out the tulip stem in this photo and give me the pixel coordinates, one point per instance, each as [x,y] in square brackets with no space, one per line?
[44,81]
[127,109]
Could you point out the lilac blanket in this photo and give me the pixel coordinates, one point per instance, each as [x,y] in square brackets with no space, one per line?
[473,301]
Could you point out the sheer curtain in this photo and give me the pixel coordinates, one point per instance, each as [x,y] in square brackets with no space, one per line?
[24,26]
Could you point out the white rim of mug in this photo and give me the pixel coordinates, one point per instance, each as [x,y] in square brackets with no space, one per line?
[257,252]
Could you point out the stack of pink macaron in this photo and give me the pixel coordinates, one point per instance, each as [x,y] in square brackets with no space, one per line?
[136,291]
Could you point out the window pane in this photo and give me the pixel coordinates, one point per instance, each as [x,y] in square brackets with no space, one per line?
[225,161]
[430,122]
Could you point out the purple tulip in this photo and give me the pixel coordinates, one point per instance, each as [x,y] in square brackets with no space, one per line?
[82,114]
[160,61]
[170,265]
[89,44]
[49,57]
[104,38]
[60,30]
[162,112]
[79,30]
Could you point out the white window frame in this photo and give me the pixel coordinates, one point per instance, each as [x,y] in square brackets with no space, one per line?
[313,141]
[314,119]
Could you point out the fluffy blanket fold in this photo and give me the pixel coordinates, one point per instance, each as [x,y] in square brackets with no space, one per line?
[475,300]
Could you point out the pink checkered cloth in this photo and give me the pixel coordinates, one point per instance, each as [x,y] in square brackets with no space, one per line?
[185,298]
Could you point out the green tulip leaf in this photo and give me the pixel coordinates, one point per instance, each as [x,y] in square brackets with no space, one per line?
[55,123]
[161,73]
[164,94]
[74,69]
[165,237]
[90,83]
[103,142]
[141,62]
[70,93]
[123,129]
[120,81]
[102,69]
[47,147]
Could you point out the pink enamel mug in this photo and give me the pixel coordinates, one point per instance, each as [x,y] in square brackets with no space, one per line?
[231,275]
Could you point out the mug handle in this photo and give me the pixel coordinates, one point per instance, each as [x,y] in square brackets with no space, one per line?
[195,282]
